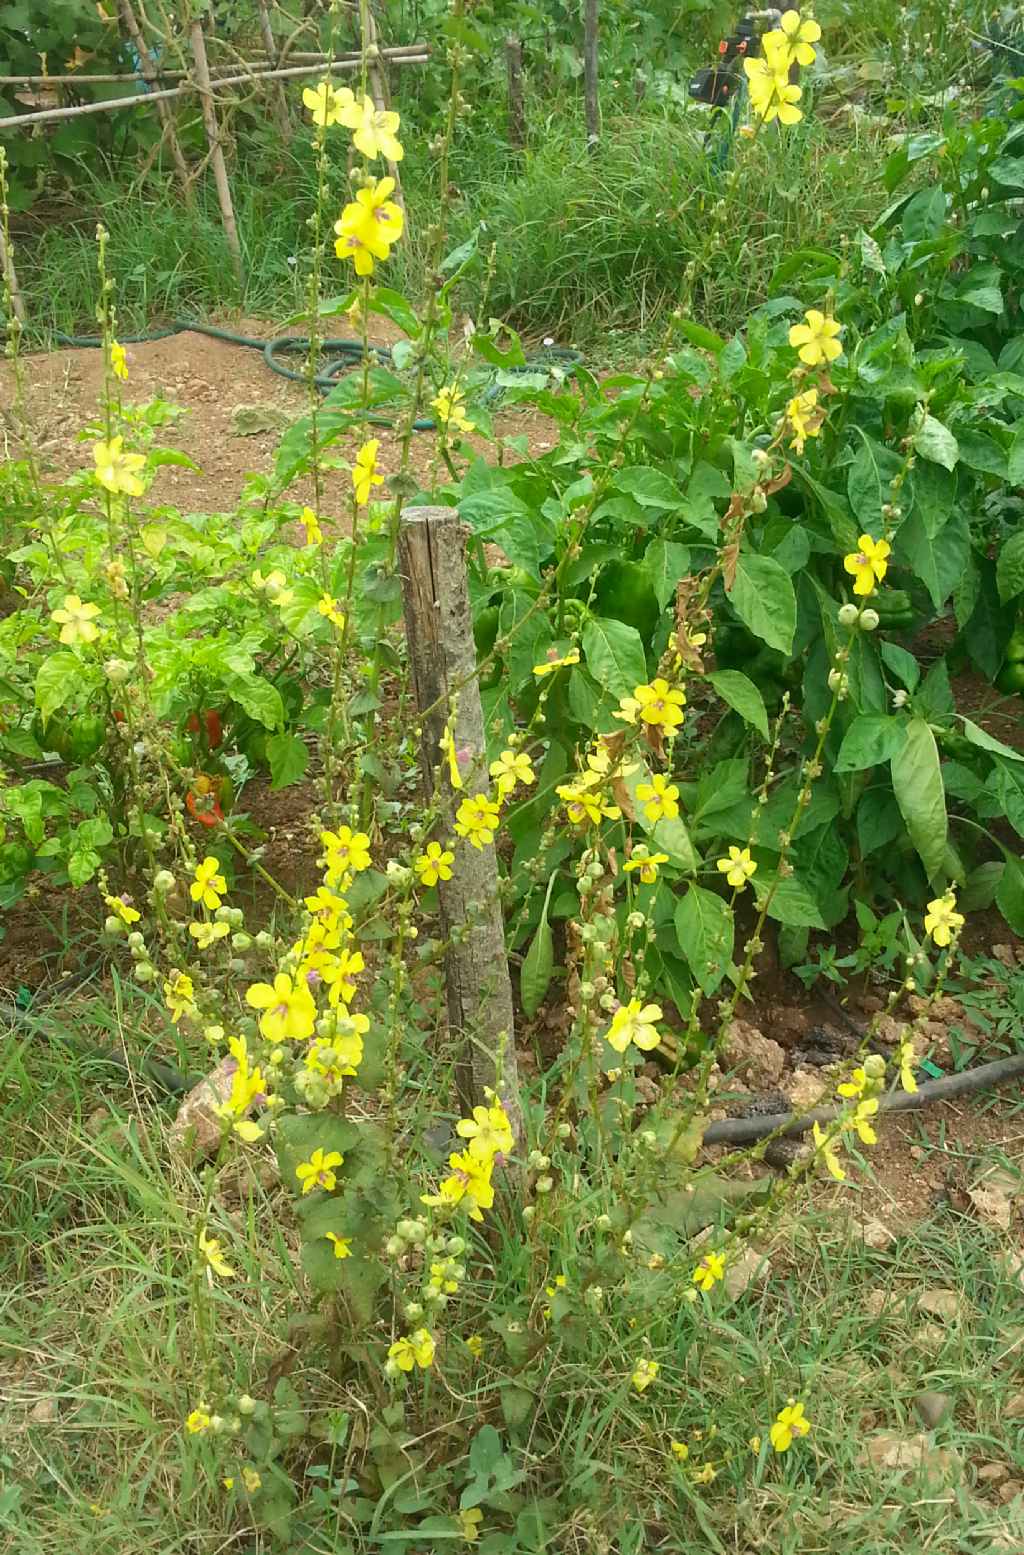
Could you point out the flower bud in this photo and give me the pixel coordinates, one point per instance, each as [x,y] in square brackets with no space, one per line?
[394,1247]
[413,1312]
[145,972]
[456,1246]
[113,924]
[868,620]
[603,1222]
[241,941]
[246,1405]
[528,1213]
[848,615]
[163,880]
[117,671]
[544,1185]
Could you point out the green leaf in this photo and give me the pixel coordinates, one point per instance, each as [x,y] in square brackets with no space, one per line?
[1010,894]
[871,739]
[762,596]
[988,742]
[396,308]
[704,928]
[539,961]
[650,487]
[667,562]
[288,759]
[791,903]
[615,655]
[924,214]
[938,560]
[698,336]
[1010,568]
[936,442]
[82,865]
[257,697]
[902,664]
[741,693]
[57,680]
[299,1134]
[1015,459]
[917,784]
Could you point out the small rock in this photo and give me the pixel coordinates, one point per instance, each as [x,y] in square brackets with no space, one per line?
[890,1030]
[993,1206]
[1013,1409]
[1011,1267]
[805,1089]
[1006,954]
[944,1304]
[786,1152]
[929,1337]
[876,1235]
[741,1271]
[912,1453]
[875,1302]
[43,1413]
[1009,1491]
[993,1473]
[933,1407]
[758,1059]
[197,1130]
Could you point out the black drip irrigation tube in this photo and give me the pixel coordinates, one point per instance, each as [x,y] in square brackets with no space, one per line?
[343,355]
[740,1131]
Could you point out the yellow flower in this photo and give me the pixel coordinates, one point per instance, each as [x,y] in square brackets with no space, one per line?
[469,1523]
[475,1346]
[804,416]
[865,1111]
[328,607]
[634,1022]
[816,338]
[446,745]
[75,620]
[288,1008]
[489,1132]
[942,921]
[329,910]
[789,1422]
[179,994]
[342,1055]
[251,1479]
[449,405]
[797,35]
[118,361]
[364,471]
[314,534]
[869,565]
[510,769]
[679,1451]
[209,1246]
[199,1420]
[738,867]
[826,1149]
[120,908]
[368,226]
[208,883]
[551,665]
[905,1059]
[328,104]
[342,1245]
[318,1171]
[470,1179]
[206,934]
[709,1271]
[856,1085]
[583,803]
[659,798]
[646,863]
[772,94]
[705,1474]
[348,852]
[628,710]
[274,581]
[375,131]
[115,470]
[434,865]
[476,819]
[660,704]
[754,1444]
[246,1086]
[644,1373]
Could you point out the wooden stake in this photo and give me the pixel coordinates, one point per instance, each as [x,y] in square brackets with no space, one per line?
[516,106]
[147,65]
[439,629]
[284,123]
[220,170]
[592,106]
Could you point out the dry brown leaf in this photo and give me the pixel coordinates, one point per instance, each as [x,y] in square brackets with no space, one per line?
[743,1270]
[1013,1409]
[992,1206]
[876,1234]
[1011,1267]
[916,1453]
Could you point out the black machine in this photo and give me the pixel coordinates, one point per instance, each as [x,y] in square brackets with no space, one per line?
[719,85]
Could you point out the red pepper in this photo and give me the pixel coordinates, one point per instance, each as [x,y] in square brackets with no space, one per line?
[203,802]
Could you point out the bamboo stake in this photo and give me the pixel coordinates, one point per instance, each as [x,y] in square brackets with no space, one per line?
[148,67]
[280,100]
[259,66]
[368,31]
[592,106]
[52,115]
[220,170]
[439,629]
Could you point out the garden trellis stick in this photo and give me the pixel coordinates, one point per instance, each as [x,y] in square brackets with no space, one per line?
[111,105]
[280,100]
[368,32]
[442,654]
[220,171]
[149,70]
[591,103]
[516,107]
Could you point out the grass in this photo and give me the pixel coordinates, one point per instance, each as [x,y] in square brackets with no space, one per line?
[105,1341]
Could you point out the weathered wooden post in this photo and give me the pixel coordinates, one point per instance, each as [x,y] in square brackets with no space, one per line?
[220,171]
[274,57]
[148,67]
[516,105]
[442,654]
[591,103]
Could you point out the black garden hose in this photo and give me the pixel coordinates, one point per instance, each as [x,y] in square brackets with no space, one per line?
[740,1131]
